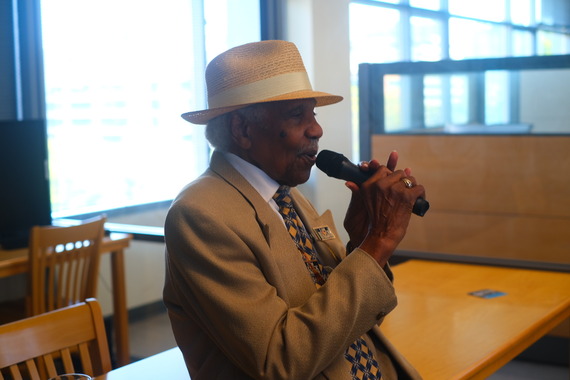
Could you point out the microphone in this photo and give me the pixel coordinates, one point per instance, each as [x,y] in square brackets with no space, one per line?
[338,166]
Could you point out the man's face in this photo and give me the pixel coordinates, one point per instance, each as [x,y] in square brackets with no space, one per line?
[284,143]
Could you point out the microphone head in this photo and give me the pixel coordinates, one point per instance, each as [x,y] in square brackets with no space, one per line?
[330,162]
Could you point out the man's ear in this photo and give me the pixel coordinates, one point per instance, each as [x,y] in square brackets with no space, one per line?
[240,131]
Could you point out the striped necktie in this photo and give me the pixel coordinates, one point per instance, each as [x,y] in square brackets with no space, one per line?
[300,235]
[364,366]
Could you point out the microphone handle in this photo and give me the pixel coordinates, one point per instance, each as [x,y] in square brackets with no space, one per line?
[420,207]
[351,172]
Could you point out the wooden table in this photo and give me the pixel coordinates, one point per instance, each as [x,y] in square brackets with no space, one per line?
[448,334]
[165,365]
[13,262]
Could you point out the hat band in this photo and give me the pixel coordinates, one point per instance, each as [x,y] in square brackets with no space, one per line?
[261,90]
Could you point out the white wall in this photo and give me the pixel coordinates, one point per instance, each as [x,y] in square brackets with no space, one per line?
[144,266]
[544,100]
[319,28]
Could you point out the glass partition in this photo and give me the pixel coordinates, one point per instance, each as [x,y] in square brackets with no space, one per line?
[494,101]
[515,95]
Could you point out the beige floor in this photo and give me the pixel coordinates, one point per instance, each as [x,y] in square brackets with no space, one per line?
[153,335]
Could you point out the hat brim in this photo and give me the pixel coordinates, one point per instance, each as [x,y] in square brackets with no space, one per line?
[203,116]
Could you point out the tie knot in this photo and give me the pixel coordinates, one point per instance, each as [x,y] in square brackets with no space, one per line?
[282,196]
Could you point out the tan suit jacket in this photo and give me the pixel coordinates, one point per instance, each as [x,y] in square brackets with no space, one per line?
[240,299]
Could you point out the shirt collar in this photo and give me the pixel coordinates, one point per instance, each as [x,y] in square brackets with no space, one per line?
[265,185]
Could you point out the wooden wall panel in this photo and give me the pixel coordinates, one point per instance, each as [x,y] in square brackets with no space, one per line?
[488,235]
[490,196]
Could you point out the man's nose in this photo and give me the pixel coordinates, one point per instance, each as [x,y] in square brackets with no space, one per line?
[315,131]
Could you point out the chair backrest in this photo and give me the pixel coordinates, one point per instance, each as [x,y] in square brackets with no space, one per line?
[67,340]
[64,264]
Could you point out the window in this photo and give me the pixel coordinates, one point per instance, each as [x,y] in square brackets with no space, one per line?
[551,43]
[432,30]
[523,13]
[476,39]
[374,35]
[426,41]
[118,74]
[490,10]
[426,4]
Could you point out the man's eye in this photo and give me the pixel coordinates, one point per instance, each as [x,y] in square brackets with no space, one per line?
[296,114]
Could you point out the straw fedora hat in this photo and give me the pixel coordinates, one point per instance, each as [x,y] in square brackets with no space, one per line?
[257,72]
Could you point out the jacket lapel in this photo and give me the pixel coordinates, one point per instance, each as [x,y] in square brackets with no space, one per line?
[294,284]
[330,248]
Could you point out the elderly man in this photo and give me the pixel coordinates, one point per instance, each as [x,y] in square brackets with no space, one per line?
[258,285]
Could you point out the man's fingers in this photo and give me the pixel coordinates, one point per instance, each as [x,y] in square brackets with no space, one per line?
[392,160]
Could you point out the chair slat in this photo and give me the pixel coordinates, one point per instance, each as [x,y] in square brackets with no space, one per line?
[76,285]
[32,370]
[66,263]
[85,358]
[85,286]
[53,281]
[15,372]
[49,364]
[67,361]
[63,287]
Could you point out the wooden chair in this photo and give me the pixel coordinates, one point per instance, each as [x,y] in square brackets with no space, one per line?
[64,265]
[63,269]
[67,340]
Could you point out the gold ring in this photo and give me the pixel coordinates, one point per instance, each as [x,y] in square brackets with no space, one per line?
[409,184]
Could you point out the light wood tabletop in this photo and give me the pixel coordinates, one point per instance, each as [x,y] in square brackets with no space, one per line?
[165,365]
[446,333]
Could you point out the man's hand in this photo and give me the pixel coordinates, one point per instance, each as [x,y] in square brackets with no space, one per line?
[356,220]
[380,208]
